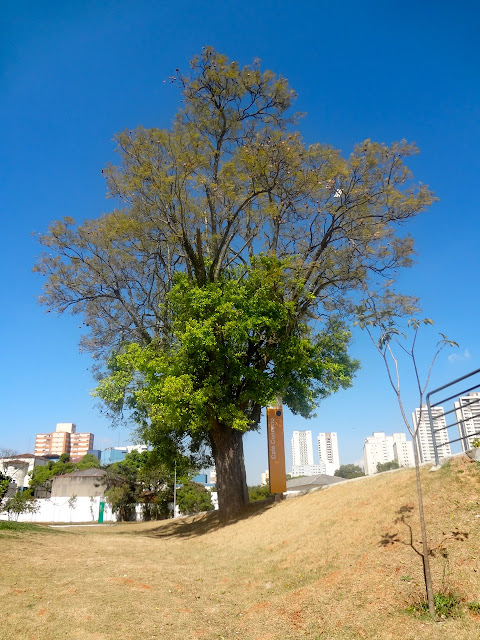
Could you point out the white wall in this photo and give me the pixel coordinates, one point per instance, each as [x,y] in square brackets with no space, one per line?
[58,510]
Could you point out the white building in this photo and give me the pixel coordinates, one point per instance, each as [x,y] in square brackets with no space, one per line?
[380,448]
[403,450]
[302,448]
[327,444]
[264,478]
[19,467]
[467,414]
[133,447]
[308,470]
[376,448]
[425,440]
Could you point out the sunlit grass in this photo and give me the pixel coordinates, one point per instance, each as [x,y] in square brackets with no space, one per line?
[311,568]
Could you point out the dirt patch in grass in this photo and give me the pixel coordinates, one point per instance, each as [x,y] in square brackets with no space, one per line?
[306,568]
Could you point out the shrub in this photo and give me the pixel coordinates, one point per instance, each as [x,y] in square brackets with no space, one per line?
[21,502]
[447,605]
[258,492]
[194,498]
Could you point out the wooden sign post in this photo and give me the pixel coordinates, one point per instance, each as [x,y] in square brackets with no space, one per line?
[276,449]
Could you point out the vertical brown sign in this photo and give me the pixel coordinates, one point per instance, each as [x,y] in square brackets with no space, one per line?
[276,449]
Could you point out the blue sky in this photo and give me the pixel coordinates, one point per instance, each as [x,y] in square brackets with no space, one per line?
[73,74]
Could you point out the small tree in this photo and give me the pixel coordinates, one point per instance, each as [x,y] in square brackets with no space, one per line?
[21,502]
[349,471]
[390,341]
[194,498]
[142,478]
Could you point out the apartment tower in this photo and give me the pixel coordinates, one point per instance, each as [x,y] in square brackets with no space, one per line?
[327,444]
[380,448]
[425,439]
[467,414]
[302,448]
[64,439]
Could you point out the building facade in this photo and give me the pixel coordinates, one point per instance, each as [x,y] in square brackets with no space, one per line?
[85,483]
[425,440]
[18,468]
[467,414]
[307,470]
[380,448]
[403,450]
[64,439]
[302,448]
[117,454]
[327,444]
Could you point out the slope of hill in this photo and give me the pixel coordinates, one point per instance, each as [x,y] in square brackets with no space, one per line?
[336,564]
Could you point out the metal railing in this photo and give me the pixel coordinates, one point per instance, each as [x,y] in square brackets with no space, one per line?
[459,423]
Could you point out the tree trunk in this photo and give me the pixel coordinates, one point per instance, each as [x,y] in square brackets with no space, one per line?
[227,451]
[426,559]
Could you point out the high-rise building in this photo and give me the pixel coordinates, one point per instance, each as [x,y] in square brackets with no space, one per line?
[64,439]
[380,448]
[467,413]
[302,448]
[327,444]
[425,440]
[403,450]
[377,448]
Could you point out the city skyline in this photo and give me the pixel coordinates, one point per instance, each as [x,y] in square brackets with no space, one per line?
[303,460]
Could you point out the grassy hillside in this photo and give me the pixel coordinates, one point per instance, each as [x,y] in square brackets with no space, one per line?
[321,567]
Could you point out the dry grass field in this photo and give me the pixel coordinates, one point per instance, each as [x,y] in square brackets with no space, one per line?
[314,567]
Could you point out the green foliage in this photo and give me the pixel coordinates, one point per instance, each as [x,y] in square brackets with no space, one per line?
[236,346]
[23,526]
[89,461]
[258,492]
[474,607]
[349,471]
[42,475]
[476,443]
[447,605]
[194,498]
[387,466]
[142,478]
[122,500]
[4,484]
[20,502]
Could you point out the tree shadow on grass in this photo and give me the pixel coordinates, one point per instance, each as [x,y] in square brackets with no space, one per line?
[403,516]
[201,524]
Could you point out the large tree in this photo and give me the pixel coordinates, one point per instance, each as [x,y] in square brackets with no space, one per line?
[229,194]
